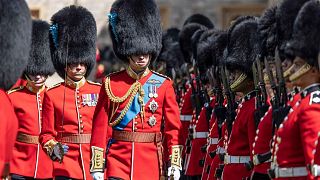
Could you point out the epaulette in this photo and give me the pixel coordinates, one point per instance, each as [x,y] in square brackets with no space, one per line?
[15,89]
[116,72]
[161,75]
[94,83]
[53,86]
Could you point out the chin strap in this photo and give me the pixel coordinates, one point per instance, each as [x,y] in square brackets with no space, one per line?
[305,68]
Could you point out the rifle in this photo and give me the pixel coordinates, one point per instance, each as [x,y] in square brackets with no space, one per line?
[261,92]
[232,106]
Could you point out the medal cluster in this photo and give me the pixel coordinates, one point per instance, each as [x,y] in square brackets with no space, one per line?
[134,89]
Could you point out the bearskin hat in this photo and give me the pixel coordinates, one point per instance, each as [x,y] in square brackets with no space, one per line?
[243,44]
[199,19]
[173,58]
[135,28]
[267,29]
[306,37]
[73,35]
[185,39]
[210,49]
[40,58]
[168,37]
[286,14]
[195,41]
[15,40]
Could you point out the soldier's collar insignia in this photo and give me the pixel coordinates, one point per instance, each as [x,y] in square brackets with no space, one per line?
[310,89]
[74,84]
[90,99]
[136,76]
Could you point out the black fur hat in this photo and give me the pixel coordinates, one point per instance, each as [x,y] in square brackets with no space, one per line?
[286,14]
[173,58]
[15,40]
[169,36]
[267,29]
[195,40]
[73,35]
[210,49]
[40,58]
[243,44]
[185,39]
[199,19]
[306,37]
[135,28]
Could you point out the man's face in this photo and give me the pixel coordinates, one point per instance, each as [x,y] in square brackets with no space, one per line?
[139,62]
[297,64]
[234,75]
[76,71]
[38,80]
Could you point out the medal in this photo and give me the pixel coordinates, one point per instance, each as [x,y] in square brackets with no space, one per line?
[152,121]
[153,106]
[150,94]
[89,99]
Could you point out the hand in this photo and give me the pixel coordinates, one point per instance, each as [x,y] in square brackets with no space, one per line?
[173,173]
[59,151]
[97,175]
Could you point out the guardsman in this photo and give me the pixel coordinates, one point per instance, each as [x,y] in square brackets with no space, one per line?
[137,110]
[27,102]
[298,133]
[15,45]
[241,52]
[68,107]
[217,45]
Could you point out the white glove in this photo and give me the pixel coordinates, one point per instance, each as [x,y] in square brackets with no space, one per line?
[175,172]
[97,175]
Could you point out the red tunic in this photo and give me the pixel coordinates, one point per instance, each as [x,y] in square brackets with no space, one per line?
[297,134]
[77,112]
[8,132]
[241,139]
[133,160]
[213,134]
[193,167]
[28,108]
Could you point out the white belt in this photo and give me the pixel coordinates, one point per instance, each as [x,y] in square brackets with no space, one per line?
[213,141]
[220,150]
[236,159]
[290,172]
[185,117]
[315,170]
[200,135]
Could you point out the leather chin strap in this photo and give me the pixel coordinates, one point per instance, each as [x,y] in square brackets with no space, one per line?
[296,75]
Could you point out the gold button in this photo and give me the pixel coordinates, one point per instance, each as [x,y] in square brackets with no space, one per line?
[81,121]
[78,97]
[82,126]
[278,139]
[79,106]
[80,116]
[135,122]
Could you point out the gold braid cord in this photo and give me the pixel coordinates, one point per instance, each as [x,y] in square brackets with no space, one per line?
[134,89]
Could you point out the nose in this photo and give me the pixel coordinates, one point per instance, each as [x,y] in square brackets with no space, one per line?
[141,57]
[78,67]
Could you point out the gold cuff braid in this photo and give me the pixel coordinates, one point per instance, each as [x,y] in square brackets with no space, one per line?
[97,160]
[49,146]
[176,160]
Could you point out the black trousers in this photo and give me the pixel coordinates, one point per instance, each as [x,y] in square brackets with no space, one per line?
[19,177]
[260,176]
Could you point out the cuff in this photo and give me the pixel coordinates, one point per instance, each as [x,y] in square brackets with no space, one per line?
[176,160]
[97,160]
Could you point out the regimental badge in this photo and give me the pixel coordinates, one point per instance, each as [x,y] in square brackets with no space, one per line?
[152,121]
[90,99]
[153,81]
[153,106]
[152,91]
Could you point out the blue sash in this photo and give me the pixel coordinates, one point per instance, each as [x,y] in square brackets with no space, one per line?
[134,108]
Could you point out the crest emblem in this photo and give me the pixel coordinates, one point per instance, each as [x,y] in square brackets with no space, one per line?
[153,106]
[152,121]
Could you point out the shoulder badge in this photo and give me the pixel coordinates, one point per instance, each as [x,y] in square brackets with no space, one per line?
[94,83]
[315,97]
[15,89]
[53,86]
[162,75]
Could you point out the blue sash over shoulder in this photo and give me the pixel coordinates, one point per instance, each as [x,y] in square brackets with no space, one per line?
[134,108]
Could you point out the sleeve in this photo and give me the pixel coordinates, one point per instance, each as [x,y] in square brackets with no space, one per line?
[48,133]
[251,128]
[99,132]
[171,118]
[8,132]
[309,124]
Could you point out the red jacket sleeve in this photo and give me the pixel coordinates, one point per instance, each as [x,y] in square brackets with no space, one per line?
[100,121]
[171,117]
